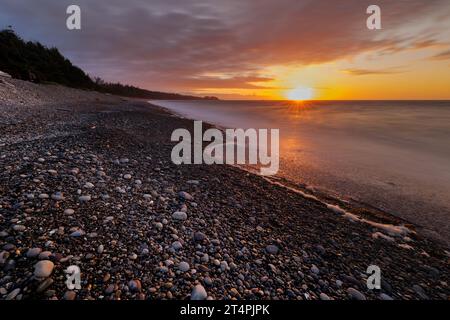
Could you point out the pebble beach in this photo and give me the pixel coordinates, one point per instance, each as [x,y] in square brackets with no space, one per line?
[86,179]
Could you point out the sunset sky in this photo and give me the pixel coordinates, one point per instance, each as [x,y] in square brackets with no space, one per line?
[260,49]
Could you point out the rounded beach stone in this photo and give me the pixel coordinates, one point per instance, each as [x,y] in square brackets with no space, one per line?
[198,293]
[43,269]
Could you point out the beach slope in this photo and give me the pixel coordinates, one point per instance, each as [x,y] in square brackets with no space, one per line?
[86,179]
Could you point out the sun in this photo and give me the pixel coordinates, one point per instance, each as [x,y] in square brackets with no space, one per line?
[300,93]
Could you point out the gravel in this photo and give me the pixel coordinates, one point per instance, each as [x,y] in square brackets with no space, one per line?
[242,238]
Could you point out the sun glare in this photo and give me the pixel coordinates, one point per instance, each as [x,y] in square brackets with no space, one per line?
[300,93]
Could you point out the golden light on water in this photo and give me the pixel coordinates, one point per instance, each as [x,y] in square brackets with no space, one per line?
[300,94]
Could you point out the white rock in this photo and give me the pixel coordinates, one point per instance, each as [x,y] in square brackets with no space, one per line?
[324,296]
[176,245]
[5,75]
[19,227]
[179,215]
[89,185]
[314,269]
[120,190]
[85,198]
[13,294]
[224,266]
[69,211]
[198,293]
[133,256]
[183,266]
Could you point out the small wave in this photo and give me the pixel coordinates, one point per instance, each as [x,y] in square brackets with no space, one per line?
[390,229]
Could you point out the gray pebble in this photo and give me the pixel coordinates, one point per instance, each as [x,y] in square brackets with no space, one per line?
[198,293]
[33,252]
[180,216]
[183,266]
[272,249]
[355,294]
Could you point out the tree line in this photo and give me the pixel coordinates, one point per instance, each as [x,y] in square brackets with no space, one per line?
[32,61]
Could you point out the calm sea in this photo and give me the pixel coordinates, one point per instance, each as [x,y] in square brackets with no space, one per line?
[394,155]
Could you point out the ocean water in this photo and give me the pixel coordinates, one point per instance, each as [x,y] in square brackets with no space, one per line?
[393,155]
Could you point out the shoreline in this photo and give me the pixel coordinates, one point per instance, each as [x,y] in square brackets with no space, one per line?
[412,208]
[376,217]
[107,159]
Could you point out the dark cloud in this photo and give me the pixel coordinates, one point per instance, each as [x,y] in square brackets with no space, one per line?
[164,44]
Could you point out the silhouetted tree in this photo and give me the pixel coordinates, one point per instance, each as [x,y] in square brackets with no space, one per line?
[32,61]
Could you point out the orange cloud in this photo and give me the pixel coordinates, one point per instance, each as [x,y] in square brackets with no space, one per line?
[366,72]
